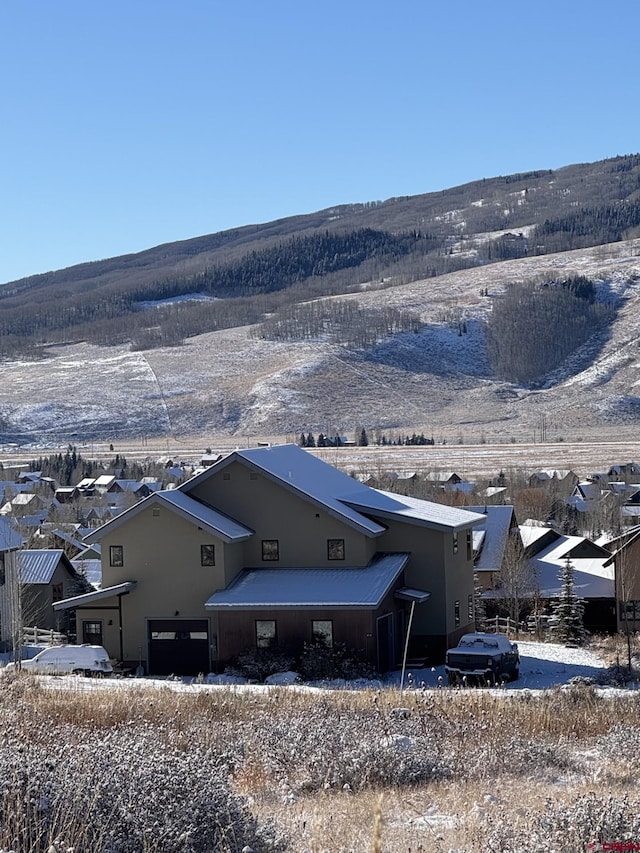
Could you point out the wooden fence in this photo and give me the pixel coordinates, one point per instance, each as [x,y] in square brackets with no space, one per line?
[40,636]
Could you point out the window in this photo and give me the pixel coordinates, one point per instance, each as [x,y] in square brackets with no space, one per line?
[456,613]
[470,608]
[322,632]
[116,555]
[265,633]
[270,549]
[155,513]
[57,592]
[335,549]
[455,543]
[2,576]
[469,545]
[226,475]
[630,610]
[207,555]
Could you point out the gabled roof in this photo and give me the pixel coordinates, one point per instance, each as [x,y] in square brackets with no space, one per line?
[299,471]
[38,566]
[496,527]
[334,588]
[338,493]
[192,510]
[593,574]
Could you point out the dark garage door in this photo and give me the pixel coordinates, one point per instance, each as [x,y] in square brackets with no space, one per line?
[178,646]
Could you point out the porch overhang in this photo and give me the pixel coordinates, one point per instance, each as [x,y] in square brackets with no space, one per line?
[88,598]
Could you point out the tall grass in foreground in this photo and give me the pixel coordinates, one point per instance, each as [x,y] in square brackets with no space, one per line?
[140,769]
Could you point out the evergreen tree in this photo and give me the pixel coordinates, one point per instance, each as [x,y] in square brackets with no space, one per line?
[567,612]
[311,442]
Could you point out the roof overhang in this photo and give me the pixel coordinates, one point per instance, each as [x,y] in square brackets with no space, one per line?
[88,598]
[418,596]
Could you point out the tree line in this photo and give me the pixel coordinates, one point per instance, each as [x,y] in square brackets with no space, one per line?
[533,328]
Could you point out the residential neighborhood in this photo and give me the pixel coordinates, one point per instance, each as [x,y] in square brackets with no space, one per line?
[273,548]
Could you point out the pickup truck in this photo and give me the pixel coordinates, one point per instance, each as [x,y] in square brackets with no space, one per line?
[483,659]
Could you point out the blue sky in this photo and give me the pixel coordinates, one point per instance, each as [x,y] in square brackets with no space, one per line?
[130,123]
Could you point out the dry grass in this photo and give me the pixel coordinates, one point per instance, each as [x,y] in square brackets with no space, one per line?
[327,772]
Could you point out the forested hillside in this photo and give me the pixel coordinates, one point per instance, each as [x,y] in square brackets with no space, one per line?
[166,295]
[477,310]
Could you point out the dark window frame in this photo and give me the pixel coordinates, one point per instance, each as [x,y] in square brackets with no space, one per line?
[116,556]
[270,550]
[207,554]
[264,639]
[319,637]
[335,549]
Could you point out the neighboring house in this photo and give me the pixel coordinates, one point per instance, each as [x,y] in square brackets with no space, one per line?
[493,540]
[624,472]
[273,546]
[10,543]
[443,478]
[588,496]
[625,561]
[593,575]
[46,576]
[24,503]
[551,478]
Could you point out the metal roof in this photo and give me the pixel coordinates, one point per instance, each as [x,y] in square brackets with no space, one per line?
[499,521]
[336,588]
[38,565]
[10,539]
[301,472]
[197,513]
[413,510]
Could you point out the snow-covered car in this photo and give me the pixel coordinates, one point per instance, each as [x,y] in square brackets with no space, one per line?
[61,660]
[483,659]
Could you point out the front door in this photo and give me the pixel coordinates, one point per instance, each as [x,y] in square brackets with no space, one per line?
[92,632]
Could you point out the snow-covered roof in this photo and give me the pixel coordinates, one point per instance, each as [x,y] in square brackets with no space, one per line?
[496,526]
[104,480]
[335,588]
[301,472]
[532,533]
[593,578]
[215,522]
[98,594]
[388,505]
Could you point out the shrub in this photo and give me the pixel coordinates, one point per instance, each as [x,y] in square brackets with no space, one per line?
[259,664]
[319,661]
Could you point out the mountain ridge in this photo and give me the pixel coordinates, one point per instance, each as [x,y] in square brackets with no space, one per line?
[434,379]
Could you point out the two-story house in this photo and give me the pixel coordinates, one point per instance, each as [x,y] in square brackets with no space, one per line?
[273,546]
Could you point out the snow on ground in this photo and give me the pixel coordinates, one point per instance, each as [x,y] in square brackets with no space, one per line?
[542,666]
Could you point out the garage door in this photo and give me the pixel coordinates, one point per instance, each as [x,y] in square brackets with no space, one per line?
[178,646]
